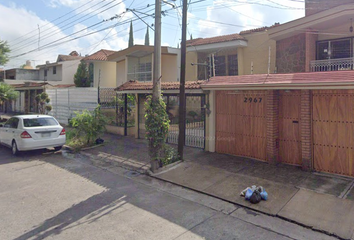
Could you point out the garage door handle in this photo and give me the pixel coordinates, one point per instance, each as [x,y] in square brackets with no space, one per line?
[295,121]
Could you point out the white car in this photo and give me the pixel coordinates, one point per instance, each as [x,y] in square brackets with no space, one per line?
[31,132]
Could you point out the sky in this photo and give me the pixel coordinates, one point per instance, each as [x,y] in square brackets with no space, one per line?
[39,30]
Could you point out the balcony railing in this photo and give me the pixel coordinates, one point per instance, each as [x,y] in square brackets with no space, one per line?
[339,64]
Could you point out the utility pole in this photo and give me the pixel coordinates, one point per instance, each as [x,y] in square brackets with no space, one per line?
[182,94]
[156,81]
[156,89]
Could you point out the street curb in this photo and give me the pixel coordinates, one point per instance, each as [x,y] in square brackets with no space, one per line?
[164,168]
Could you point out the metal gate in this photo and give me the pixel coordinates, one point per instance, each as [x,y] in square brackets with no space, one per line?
[195,119]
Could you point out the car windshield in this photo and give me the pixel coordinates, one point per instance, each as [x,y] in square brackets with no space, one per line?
[39,122]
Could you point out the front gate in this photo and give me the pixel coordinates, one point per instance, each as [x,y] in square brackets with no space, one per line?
[195,119]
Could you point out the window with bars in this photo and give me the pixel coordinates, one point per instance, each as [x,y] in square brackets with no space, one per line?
[232,65]
[220,66]
[334,49]
[140,69]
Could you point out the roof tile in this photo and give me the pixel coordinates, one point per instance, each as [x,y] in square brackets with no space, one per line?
[101,55]
[218,39]
[274,79]
[135,85]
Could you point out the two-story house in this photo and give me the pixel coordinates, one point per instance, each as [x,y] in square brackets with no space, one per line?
[303,114]
[62,71]
[249,52]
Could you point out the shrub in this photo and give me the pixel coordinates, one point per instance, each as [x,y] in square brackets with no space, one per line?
[89,125]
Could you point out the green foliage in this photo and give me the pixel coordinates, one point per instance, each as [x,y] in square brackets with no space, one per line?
[119,102]
[88,126]
[4,52]
[81,77]
[7,93]
[131,37]
[74,142]
[43,101]
[157,124]
[170,155]
[147,38]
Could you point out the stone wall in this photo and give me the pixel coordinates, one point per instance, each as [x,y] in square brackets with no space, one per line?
[291,54]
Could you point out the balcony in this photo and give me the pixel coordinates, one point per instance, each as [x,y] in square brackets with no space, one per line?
[339,64]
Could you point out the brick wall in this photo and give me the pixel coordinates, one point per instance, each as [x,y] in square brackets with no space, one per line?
[306,146]
[291,54]
[272,126]
[315,6]
[311,38]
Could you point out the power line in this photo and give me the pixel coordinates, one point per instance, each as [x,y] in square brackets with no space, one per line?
[71,24]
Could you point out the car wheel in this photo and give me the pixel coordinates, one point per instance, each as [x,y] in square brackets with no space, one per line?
[14,148]
[57,148]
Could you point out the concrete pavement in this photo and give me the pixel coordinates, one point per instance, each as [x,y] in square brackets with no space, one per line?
[292,192]
[54,197]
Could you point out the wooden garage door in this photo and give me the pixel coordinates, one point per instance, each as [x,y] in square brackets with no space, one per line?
[289,127]
[241,123]
[333,131]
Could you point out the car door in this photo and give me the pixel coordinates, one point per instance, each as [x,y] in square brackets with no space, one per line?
[13,132]
[6,132]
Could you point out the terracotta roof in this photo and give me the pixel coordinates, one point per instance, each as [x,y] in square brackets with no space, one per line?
[291,79]
[135,85]
[100,55]
[261,29]
[63,85]
[62,58]
[28,84]
[218,39]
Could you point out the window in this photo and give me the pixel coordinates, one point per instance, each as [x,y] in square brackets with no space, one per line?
[54,70]
[232,65]
[334,49]
[45,72]
[220,68]
[140,68]
[39,122]
[12,123]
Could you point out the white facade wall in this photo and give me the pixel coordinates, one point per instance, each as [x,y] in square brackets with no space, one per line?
[51,77]
[69,70]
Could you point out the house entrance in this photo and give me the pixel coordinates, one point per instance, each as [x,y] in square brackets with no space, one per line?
[241,123]
[333,131]
[195,119]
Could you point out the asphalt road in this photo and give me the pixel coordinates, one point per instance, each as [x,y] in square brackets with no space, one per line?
[50,196]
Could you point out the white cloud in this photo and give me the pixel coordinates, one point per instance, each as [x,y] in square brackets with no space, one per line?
[244,14]
[103,10]
[19,27]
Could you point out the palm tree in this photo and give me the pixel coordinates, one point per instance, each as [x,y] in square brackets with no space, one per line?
[7,93]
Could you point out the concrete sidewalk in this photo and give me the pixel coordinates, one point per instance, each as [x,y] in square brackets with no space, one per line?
[322,202]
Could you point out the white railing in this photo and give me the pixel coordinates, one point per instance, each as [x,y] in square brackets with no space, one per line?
[339,64]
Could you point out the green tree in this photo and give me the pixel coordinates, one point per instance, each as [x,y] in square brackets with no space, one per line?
[131,37]
[7,93]
[147,38]
[4,52]
[43,101]
[81,77]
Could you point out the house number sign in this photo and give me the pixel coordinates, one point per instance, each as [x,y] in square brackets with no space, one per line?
[252,100]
